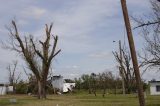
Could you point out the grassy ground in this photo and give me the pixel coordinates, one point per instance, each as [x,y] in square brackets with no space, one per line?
[79,100]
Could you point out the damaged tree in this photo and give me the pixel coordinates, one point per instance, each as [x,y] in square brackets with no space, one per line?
[13,80]
[125,70]
[38,56]
[150,28]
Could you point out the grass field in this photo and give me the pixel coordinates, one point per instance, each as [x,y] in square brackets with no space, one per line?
[78,100]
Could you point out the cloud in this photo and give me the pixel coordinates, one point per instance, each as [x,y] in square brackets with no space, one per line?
[72,76]
[142,3]
[86,29]
[22,22]
[82,17]
[76,26]
[33,12]
[73,67]
[101,55]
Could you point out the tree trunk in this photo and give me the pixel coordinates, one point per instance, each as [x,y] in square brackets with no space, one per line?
[89,88]
[94,90]
[41,90]
[44,89]
[89,91]
[104,91]
[14,89]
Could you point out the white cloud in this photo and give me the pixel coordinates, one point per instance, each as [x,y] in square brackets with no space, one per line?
[101,55]
[33,12]
[73,67]
[80,25]
[22,22]
[83,17]
[139,3]
[75,25]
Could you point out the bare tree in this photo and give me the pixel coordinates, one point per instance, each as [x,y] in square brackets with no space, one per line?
[125,69]
[86,82]
[150,20]
[93,81]
[13,78]
[150,28]
[37,55]
[106,78]
[102,82]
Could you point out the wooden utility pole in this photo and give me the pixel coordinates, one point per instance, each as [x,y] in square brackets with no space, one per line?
[121,68]
[133,53]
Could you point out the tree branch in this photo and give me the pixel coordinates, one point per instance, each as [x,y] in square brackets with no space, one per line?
[147,24]
[37,51]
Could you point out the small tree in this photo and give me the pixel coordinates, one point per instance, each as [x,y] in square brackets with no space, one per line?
[105,80]
[125,69]
[86,82]
[21,87]
[38,56]
[93,83]
[13,78]
[78,83]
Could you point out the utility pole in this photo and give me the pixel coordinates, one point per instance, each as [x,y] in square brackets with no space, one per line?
[133,53]
[121,68]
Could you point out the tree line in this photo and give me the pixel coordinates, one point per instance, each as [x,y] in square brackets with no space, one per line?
[105,82]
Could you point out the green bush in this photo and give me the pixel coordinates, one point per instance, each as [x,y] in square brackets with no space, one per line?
[21,87]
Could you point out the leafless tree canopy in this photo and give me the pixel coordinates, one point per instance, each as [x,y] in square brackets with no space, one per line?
[125,69]
[151,20]
[13,78]
[37,55]
[150,28]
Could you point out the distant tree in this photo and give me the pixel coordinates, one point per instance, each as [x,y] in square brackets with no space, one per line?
[125,69]
[93,83]
[38,56]
[21,87]
[117,84]
[32,84]
[13,77]
[78,83]
[105,81]
[69,80]
[86,82]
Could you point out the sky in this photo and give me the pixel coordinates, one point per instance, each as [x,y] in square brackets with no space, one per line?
[86,30]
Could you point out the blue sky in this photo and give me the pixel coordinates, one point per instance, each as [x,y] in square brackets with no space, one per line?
[86,30]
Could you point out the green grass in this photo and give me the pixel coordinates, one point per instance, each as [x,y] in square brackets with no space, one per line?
[80,99]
